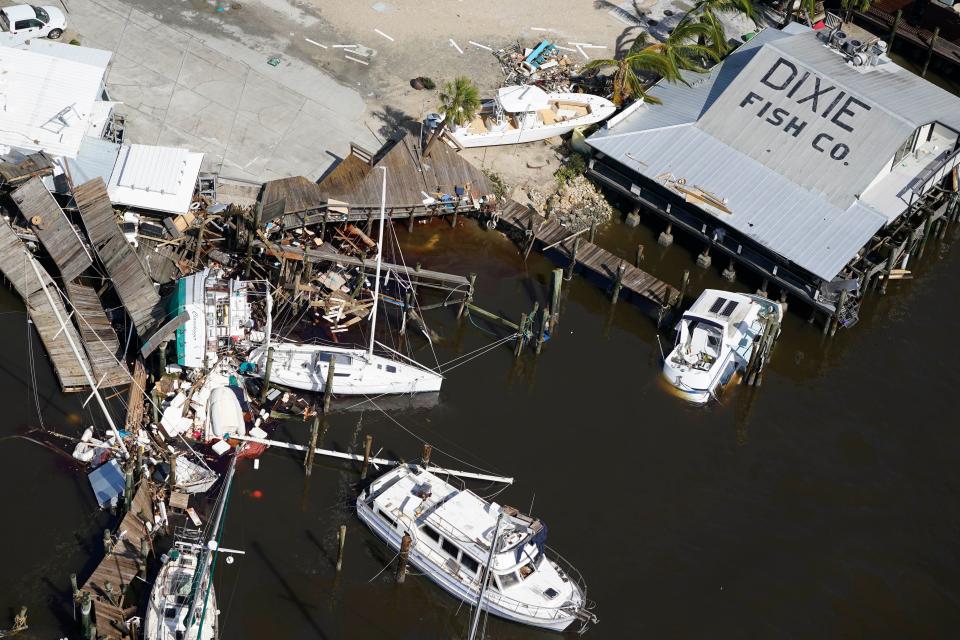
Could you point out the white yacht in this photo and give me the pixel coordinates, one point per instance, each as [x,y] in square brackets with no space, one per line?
[715,339]
[357,371]
[461,541]
[526,113]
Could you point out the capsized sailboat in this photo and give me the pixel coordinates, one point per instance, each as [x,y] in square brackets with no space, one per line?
[356,371]
[526,113]
[716,338]
[183,604]
[480,552]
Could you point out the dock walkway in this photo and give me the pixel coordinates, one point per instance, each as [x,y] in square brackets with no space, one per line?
[553,236]
[99,339]
[53,228]
[120,567]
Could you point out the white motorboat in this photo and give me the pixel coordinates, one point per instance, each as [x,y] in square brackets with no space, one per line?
[526,113]
[480,552]
[716,338]
[356,371]
[182,603]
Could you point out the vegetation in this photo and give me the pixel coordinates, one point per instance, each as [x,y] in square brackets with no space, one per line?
[460,101]
[499,186]
[849,6]
[427,83]
[573,166]
[639,60]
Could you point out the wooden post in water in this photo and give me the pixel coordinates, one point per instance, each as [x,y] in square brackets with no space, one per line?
[836,314]
[684,282]
[521,336]
[341,541]
[407,305]
[144,552]
[893,30]
[930,47]
[367,446]
[593,231]
[314,432]
[573,258]
[404,558]
[891,260]
[328,387]
[128,487]
[556,284]
[75,590]
[618,282]
[107,542]
[86,605]
[468,298]
[543,330]
[266,375]
[425,458]
[639,255]
[410,222]
[927,226]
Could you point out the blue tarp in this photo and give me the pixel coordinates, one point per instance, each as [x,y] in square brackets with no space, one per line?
[107,482]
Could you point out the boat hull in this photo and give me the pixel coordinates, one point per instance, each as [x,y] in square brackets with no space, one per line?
[452,586]
[297,367]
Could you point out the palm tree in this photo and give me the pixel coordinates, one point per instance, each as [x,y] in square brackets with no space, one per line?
[686,48]
[713,35]
[746,7]
[459,101]
[642,57]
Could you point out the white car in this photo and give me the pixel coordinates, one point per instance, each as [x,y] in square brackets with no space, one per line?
[25,21]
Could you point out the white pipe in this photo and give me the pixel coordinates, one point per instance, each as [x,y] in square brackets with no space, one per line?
[357,457]
[376,283]
[76,353]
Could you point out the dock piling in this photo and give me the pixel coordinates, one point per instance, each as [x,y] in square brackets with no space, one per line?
[86,605]
[617,282]
[425,459]
[521,336]
[930,47]
[314,432]
[367,446]
[341,541]
[556,286]
[893,30]
[543,330]
[328,388]
[684,283]
[469,297]
[266,375]
[665,239]
[573,258]
[639,254]
[404,558]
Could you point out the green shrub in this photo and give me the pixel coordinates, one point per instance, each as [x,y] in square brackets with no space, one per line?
[428,83]
[499,186]
[572,167]
[75,41]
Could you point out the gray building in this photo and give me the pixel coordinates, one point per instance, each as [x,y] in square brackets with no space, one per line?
[801,156]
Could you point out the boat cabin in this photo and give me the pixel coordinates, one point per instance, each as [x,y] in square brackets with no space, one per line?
[523,107]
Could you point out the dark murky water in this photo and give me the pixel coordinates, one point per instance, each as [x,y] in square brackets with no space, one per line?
[824,503]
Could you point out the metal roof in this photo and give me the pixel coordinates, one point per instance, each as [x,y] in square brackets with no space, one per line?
[95,159]
[156,178]
[783,192]
[46,101]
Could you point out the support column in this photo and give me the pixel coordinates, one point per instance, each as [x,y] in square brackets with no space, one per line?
[666,237]
[930,47]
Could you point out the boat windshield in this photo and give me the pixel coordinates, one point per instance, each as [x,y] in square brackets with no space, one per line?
[699,344]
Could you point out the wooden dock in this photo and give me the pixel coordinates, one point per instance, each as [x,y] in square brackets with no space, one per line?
[881,16]
[16,264]
[120,567]
[99,339]
[52,227]
[552,236]
[133,285]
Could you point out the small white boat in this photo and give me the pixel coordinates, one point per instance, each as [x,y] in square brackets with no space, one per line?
[526,113]
[716,338]
[461,541]
[355,371]
[171,600]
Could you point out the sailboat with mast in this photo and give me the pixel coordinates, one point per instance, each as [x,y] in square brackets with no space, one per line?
[356,371]
[183,603]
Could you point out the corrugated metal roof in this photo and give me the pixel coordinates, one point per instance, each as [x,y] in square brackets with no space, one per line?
[793,222]
[46,101]
[95,159]
[786,194]
[157,178]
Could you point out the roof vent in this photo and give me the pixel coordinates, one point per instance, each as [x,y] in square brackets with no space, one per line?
[838,39]
[851,46]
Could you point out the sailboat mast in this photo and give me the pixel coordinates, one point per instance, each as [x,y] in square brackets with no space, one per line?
[485,579]
[376,282]
[268,329]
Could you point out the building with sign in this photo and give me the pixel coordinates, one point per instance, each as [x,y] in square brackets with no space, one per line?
[809,158]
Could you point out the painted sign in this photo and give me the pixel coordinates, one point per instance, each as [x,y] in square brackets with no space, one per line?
[818,102]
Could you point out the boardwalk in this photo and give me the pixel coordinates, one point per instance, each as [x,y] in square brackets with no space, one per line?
[133,285]
[17,265]
[881,18]
[120,567]
[53,228]
[99,339]
[550,234]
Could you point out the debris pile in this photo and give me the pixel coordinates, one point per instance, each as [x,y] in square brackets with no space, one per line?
[578,204]
[544,65]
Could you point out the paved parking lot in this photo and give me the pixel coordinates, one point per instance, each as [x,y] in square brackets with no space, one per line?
[214,92]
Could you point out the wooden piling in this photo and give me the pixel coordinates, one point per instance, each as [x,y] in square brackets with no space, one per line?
[573,259]
[893,30]
[341,541]
[891,261]
[425,458]
[128,487]
[593,232]
[404,558]
[328,387]
[639,255]
[836,314]
[556,285]
[469,296]
[521,336]
[144,554]
[684,283]
[367,446]
[543,331]
[618,282]
[266,375]
[75,590]
[927,226]
[314,432]
[930,47]
[86,605]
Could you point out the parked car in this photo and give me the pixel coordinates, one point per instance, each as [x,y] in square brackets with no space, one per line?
[24,21]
